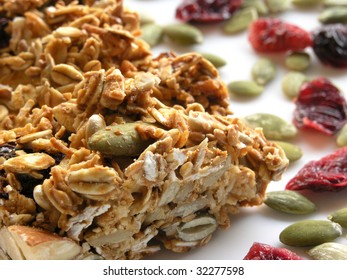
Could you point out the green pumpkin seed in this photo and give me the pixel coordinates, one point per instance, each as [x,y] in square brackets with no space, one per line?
[145,18]
[118,140]
[274,127]
[277,6]
[340,217]
[216,60]
[152,34]
[329,251]
[245,88]
[333,15]
[240,20]
[306,3]
[310,233]
[260,6]
[335,3]
[292,82]
[289,202]
[292,152]
[298,61]
[197,229]
[183,33]
[341,138]
[263,71]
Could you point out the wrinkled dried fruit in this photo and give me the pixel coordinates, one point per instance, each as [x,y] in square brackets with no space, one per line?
[320,106]
[206,10]
[330,45]
[274,35]
[327,174]
[260,251]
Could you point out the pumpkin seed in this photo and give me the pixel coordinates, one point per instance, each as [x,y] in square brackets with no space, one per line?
[245,88]
[260,6]
[292,82]
[335,2]
[274,127]
[118,140]
[333,15]
[298,61]
[197,229]
[341,138]
[152,33]
[145,18]
[292,152]
[340,217]
[263,71]
[329,251]
[310,233]
[277,6]
[306,3]
[183,33]
[216,60]
[240,20]
[289,202]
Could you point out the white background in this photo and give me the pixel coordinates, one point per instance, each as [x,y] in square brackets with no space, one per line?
[257,224]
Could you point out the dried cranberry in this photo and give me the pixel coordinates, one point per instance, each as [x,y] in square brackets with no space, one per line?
[327,174]
[206,10]
[4,36]
[320,106]
[330,45]
[274,35]
[260,251]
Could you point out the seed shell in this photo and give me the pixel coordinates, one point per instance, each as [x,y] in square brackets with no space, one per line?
[292,152]
[198,228]
[333,15]
[298,61]
[263,71]
[183,33]
[245,88]
[329,251]
[310,233]
[240,20]
[289,202]
[292,82]
[274,127]
[340,217]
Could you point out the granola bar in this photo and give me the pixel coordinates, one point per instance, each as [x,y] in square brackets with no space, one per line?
[107,152]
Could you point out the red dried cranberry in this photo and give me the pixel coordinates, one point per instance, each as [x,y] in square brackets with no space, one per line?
[260,251]
[274,35]
[327,174]
[320,106]
[330,45]
[206,10]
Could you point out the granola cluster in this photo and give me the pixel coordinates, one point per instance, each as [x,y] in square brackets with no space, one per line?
[71,71]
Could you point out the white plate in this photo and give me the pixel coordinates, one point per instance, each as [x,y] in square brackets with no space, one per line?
[257,224]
